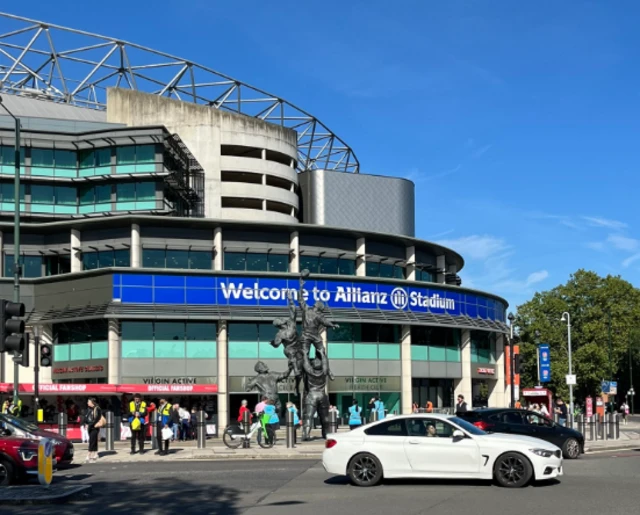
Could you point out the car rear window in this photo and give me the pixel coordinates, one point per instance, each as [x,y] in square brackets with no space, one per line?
[389,428]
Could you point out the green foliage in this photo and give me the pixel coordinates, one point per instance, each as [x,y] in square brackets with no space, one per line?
[589,299]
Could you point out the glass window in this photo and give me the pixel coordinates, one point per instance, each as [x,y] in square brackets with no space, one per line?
[243,332]
[86,195]
[169,349]
[512,417]
[41,194]
[7,192]
[89,260]
[61,352]
[103,157]
[31,266]
[169,331]
[66,195]
[8,265]
[137,330]
[398,272]
[278,263]
[137,348]
[87,159]
[122,258]
[145,153]
[7,155]
[126,191]
[256,262]
[126,155]
[311,263]
[105,258]
[390,428]
[372,269]
[235,261]
[346,266]
[63,158]
[80,351]
[177,258]
[201,331]
[200,260]
[386,270]
[153,258]
[103,193]
[99,350]
[146,190]
[42,157]
[201,350]
[328,265]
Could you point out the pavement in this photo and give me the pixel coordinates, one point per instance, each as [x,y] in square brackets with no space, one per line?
[598,483]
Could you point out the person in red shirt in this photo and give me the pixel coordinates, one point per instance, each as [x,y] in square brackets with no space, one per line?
[429,407]
[244,408]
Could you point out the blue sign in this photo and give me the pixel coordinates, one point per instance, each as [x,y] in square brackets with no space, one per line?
[544,360]
[609,387]
[260,291]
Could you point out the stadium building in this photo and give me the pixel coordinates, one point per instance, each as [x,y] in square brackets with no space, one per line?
[166,210]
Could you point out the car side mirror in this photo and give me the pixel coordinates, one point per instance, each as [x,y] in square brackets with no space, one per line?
[458,435]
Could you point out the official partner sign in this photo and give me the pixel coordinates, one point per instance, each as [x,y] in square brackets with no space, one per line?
[254,291]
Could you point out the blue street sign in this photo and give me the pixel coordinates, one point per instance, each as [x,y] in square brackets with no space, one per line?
[609,387]
[544,358]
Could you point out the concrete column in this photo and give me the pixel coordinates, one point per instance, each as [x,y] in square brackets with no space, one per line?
[218,251]
[76,253]
[441,266]
[497,395]
[114,351]
[463,386]
[361,260]
[223,370]
[136,246]
[264,153]
[411,263]
[294,252]
[405,360]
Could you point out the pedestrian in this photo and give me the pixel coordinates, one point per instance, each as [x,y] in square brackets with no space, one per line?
[624,411]
[428,407]
[271,416]
[260,406]
[296,419]
[175,421]
[377,406]
[137,421]
[414,407]
[518,405]
[543,410]
[163,422]
[243,409]
[561,411]
[461,406]
[355,415]
[185,419]
[194,423]
[93,420]
[5,407]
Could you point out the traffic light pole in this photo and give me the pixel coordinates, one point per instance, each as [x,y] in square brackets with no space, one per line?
[16,248]
[36,375]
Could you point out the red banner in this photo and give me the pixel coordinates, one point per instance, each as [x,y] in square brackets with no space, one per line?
[102,389]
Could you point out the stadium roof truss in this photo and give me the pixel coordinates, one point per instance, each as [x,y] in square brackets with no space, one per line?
[70,66]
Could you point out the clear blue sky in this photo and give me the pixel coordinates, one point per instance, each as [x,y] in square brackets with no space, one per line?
[518,121]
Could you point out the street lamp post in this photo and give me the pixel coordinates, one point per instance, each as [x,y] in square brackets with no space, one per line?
[536,335]
[511,318]
[566,317]
[16,238]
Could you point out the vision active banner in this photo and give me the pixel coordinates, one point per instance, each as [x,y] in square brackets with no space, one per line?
[254,291]
[544,363]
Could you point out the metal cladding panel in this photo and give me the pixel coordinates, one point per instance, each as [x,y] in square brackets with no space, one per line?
[358,201]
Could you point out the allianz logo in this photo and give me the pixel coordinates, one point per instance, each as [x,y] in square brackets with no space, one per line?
[399,298]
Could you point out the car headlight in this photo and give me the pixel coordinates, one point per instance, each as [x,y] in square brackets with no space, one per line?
[545,453]
[28,455]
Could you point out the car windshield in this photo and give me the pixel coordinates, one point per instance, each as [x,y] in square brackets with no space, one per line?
[469,428]
[20,424]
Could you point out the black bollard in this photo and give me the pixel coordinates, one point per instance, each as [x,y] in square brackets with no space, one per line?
[291,431]
[202,430]
[62,424]
[246,427]
[617,435]
[592,433]
[153,419]
[374,416]
[333,422]
[581,426]
[110,431]
[612,426]
[604,422]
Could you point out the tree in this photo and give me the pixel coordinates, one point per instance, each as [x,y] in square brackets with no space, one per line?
[589,299]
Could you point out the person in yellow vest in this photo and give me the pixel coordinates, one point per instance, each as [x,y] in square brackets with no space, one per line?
[137,413]
[163,421]
[15,408]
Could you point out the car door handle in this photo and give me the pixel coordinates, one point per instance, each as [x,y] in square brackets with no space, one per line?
[414,441]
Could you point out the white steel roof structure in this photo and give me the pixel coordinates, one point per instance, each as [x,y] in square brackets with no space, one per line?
[63,65]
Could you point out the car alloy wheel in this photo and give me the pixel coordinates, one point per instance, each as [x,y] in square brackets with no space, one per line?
[512,470]
[6,473]
[571,449]
[365,470]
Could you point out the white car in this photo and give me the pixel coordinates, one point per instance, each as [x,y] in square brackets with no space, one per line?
[438,446]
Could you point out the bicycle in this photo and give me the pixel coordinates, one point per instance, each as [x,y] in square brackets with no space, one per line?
[233,435]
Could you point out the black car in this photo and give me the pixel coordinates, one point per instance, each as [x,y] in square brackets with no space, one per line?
[527,423]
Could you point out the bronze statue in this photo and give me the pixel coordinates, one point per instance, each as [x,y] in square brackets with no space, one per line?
[266,383]
[287,336]
[316,398]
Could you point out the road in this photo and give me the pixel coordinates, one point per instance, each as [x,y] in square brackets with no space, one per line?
[601,483]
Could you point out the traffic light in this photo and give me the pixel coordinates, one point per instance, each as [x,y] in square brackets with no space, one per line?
[45,355]
[11,327]
[517,363]
[23,360]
